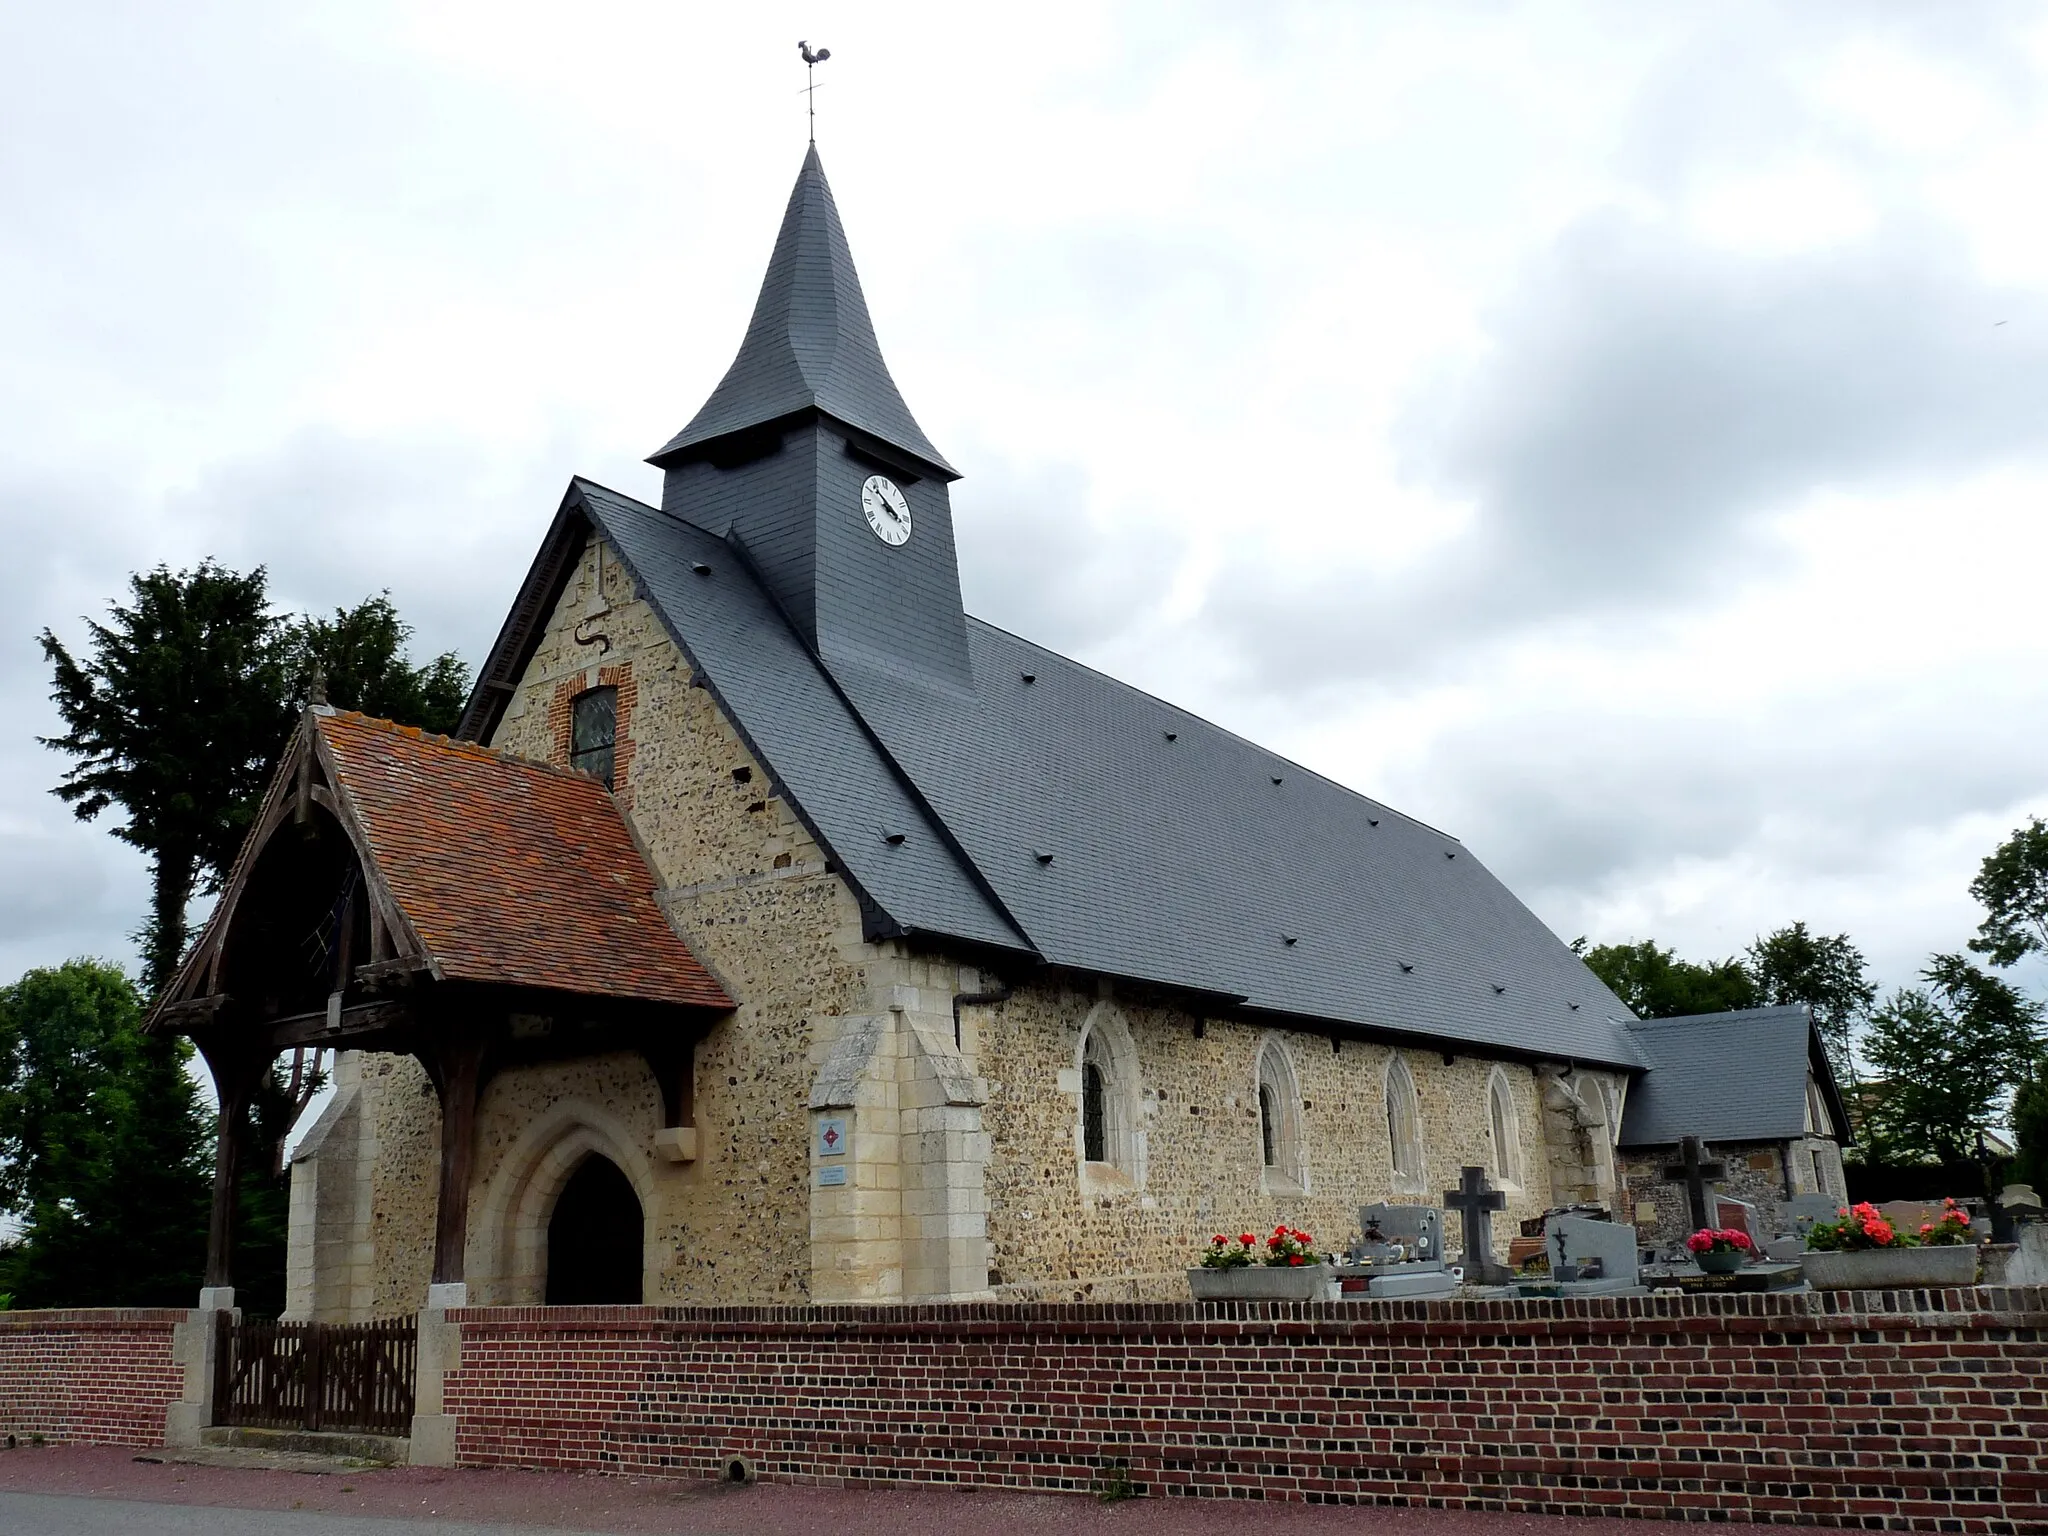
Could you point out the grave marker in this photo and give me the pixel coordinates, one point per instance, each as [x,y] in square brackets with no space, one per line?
[1476,1201]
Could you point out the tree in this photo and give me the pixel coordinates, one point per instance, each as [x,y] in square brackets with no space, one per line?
[1828,974]
[1658,985]
[104,1146]
[175,715]
[184,702]
[359,654]
[1947,1054]
[2012,886]
[2030,1128]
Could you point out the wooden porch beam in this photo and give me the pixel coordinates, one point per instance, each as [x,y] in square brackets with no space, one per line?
[458,1072]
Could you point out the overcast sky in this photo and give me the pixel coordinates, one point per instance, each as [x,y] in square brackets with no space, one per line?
[1615,434]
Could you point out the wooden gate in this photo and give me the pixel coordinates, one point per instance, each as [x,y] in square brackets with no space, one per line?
[317,1376]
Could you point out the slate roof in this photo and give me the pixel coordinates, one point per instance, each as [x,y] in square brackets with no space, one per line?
[1724,1077]
[510,871]
[1175,857]
[811,344]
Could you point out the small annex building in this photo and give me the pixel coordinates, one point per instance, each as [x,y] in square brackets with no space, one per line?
[781,927]
[1755,1087]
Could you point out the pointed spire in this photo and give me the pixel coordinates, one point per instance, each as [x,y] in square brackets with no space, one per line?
[811,344]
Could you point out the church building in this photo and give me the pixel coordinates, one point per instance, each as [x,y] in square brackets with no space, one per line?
[775,931]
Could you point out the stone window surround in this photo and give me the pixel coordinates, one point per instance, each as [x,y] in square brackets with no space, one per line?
[1105,1041]
[1504,1133]
[1407,1160]
[1276,1088]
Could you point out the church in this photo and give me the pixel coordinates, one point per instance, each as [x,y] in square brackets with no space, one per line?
[774,931]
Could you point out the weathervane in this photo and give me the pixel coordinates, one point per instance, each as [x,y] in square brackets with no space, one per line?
[813,57]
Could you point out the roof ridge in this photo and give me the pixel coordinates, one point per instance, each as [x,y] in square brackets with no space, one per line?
[1221,730]
[456,745]
[1723,1013]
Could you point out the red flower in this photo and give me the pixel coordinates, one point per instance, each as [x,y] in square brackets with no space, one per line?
[1295,1259]
[1246,1238]
[1927,1227]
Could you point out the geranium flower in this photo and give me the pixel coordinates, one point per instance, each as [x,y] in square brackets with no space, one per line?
[1246,1238]
[1294,1258]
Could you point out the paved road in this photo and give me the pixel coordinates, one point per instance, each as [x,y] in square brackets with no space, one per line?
[103,1491]
[46,1514]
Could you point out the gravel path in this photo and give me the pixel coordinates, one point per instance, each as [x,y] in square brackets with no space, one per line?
[101,1491]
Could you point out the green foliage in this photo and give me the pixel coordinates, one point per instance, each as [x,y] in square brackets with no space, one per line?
[360,654]
[1658,985]
[1947,1054]
[185,699]
[2030,1128]
[103,1146]
[2012,886]
[1829,974]
[174,715]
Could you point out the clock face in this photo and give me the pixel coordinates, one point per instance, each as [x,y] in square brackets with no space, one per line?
[888,513]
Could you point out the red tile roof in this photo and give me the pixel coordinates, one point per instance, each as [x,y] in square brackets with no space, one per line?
[511,871]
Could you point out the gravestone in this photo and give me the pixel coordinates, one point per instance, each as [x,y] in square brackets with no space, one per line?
[1476,1201]
[1411,1260]
[1695,1174]
[1804,1210]
[1577,1243]
[1737,1216]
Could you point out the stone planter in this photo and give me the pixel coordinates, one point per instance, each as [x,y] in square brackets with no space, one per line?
[1891,1269]
[1721,1263]
[1307,1282]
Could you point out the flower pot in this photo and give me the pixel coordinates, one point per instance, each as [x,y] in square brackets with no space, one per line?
[1891,1269]
[1258,1282]
[1724,1263]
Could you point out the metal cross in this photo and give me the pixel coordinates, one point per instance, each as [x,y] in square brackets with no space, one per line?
[1695,1175]
[1475,1200]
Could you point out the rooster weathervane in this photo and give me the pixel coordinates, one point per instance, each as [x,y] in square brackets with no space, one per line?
[813,57]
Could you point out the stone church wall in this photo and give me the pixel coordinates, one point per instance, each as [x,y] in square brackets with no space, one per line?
[1059,1234]
[749,889]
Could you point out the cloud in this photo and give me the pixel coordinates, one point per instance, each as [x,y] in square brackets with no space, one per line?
[1643,404]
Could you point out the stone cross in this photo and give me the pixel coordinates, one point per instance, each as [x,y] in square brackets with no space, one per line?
[1695,1175]
[1476,1202]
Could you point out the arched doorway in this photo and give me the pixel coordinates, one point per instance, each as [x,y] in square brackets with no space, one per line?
[594,1239]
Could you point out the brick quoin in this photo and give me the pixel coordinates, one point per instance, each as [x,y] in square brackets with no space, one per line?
[1910,1411]
[97,1377]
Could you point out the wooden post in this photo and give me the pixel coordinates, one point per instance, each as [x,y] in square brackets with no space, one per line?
[235,1076]
[461,1053]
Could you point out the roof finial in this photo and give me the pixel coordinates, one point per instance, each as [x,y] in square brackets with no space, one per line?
[813,57]
[316,686]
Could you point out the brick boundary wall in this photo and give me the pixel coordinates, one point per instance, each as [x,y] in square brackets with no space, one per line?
[101,1376]
[1912,1410]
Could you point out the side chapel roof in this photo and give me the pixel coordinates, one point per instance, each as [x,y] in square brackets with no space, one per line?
[1735,1076]
[509,871]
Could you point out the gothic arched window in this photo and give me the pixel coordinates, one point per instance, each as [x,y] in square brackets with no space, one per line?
[1094,1113]
[1111,1147]
[1404,1130]
[1280,1142]
[1505,1126]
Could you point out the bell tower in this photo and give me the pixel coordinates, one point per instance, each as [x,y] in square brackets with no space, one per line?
[807,460]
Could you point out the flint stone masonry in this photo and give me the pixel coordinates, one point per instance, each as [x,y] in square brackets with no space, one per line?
[97,1376]
[1920,1410]
[1754,1174]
